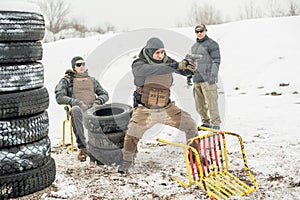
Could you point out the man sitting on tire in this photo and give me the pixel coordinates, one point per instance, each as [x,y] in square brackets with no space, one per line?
[152,72]
[81,91]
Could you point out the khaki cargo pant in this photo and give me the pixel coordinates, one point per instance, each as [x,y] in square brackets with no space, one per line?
[206,101]
[144,118]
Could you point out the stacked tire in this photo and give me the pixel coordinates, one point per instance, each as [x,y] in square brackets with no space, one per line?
[26,165]
[106,127]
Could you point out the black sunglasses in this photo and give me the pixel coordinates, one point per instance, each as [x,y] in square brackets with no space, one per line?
[200,31]
[79,64]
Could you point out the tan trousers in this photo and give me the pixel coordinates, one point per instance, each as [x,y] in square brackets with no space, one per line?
[144,118]
[206,101]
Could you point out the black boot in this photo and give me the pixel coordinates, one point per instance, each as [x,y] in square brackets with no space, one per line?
[204,125]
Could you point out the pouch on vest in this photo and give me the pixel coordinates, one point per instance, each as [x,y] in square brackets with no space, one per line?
[153,95]
[83,89]
[156,90]
[163,97]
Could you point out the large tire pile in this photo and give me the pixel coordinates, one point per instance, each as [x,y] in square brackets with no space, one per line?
[26,165]
[106,127]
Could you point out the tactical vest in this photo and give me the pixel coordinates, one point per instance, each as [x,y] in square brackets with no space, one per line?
[156,90]
[83,89]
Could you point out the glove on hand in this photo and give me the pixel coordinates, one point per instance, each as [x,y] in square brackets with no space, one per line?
[191,65]
[189,81]
[83,106]
[187,64]
[182,64]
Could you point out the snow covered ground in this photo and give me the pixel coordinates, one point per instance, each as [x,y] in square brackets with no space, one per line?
[258,56]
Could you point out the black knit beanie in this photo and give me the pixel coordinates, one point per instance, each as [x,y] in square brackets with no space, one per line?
[152,45]
[73,61]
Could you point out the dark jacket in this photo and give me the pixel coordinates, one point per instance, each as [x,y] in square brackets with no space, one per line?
[206,55]
[64,92]
[143,66]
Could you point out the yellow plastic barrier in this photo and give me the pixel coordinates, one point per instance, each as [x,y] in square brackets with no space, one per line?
[207,165]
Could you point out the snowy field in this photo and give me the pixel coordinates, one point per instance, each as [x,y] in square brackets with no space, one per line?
[258,56]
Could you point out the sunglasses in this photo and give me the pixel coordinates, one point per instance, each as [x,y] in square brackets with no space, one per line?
[79,64]
[199,31]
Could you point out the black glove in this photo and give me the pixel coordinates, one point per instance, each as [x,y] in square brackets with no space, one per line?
[189,81]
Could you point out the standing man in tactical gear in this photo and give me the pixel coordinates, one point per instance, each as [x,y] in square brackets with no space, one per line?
[152,72]
[206,54]
[81,91]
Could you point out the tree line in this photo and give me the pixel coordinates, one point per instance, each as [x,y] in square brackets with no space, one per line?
[56,14]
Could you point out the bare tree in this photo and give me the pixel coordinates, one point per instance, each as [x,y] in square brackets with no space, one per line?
[205,14]
[293,9]
[55,12]
[79,26]
[275,9]
[251,11]
[98,29]
[109,27]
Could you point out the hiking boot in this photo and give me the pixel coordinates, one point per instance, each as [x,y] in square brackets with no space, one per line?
[205,126]
[124,166]
[82,154]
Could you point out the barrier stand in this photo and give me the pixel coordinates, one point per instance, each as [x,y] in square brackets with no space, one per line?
[68,120]
[207,165]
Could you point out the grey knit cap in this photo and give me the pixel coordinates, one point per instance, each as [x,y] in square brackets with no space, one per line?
[154,43]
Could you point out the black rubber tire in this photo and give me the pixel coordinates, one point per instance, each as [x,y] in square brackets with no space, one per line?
[102,146]
[105,156]
[23,130]
[21,26]
[93,159]
[20,52]
[108,118]
[19,104]
[27,182]
[21,77]
[106,141]
[25,157]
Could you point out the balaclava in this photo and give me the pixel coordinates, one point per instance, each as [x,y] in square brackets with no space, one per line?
[152,45]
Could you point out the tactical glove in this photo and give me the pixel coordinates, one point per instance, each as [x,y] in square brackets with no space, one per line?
[182,64]
[187,64]
[189,81]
